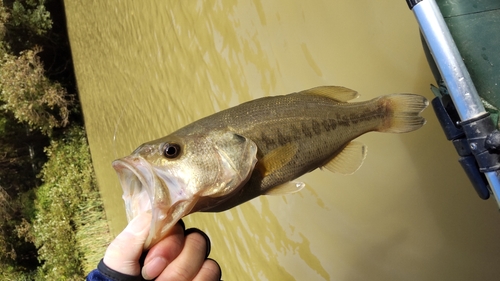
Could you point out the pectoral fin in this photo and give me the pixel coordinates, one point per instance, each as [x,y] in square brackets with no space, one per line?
[286,188]
[338,93]
[276,159]
[348,160]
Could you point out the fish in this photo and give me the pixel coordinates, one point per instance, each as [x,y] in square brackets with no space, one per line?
[256,148]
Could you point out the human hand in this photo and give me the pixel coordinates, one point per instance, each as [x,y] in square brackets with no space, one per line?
[182,255]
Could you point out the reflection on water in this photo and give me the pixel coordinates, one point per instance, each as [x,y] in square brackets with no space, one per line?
[146,68]
[255,236]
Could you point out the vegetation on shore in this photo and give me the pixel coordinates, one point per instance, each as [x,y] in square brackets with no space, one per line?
[52,223]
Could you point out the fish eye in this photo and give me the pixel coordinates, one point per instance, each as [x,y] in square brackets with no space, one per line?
[171,150]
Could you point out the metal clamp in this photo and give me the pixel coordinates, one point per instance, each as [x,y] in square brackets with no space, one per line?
[472,114]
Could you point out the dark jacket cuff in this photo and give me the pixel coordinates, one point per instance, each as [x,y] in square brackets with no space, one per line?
[115,275]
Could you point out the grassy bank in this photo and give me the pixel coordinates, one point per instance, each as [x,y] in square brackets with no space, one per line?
[64,217]
[69,228]
[52,222]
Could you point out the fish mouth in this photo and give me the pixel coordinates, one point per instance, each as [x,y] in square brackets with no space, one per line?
[140,190]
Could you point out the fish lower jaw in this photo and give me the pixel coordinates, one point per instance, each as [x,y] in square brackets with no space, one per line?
[159,225]
[137,203]
[137,183]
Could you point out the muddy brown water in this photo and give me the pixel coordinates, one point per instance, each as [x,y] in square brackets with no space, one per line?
[145,68]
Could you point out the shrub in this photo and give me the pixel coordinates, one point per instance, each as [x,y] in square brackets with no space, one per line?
[70,228]
[66,222]
[6,209]
[30,95]
[16,253]
[31,15]
[25,89]
[23,24]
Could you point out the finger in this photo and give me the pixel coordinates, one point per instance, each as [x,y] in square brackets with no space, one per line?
[124,251]
[210,271]
[164,252]
[207,239]
[189,262]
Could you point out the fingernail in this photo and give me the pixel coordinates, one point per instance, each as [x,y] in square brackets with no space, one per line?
[207,239]
[220,269]
[153,268]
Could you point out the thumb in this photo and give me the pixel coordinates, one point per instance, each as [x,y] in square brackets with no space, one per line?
[124,252]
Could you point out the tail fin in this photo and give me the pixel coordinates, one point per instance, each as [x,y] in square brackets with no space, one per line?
[403,112]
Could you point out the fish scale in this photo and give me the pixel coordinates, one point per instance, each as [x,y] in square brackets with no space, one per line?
[256,148]
[317,139]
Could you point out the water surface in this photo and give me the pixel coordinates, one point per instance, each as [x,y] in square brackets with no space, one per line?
[145,68]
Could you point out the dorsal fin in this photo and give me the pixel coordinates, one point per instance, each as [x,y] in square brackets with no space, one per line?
[348,160]
[337,93]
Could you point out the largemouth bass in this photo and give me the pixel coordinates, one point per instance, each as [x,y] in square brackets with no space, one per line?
[256,148]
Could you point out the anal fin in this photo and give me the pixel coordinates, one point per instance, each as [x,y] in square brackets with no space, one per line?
[286,188]
[349,160]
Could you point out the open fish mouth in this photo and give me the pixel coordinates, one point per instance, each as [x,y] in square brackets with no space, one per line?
[140,186]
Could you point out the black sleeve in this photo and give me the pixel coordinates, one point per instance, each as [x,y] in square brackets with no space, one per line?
[104,273]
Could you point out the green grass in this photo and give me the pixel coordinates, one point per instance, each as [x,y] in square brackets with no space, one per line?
[70,228]
[62,222]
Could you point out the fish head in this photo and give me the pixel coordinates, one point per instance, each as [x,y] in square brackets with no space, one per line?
[170,175]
